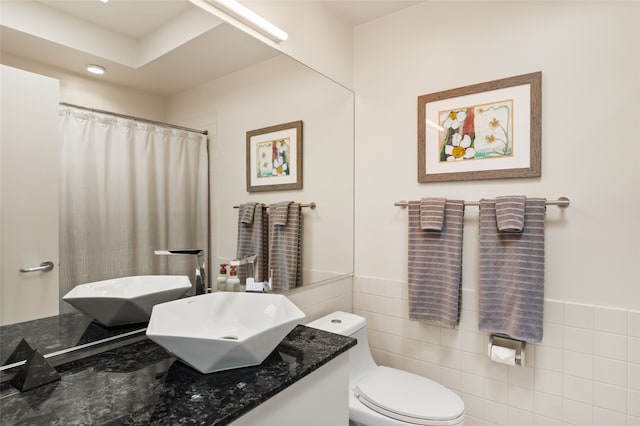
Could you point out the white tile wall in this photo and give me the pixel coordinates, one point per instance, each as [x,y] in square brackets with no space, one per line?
[585,372]
[322,299]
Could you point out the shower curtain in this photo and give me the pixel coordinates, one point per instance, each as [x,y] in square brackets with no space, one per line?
[128,188]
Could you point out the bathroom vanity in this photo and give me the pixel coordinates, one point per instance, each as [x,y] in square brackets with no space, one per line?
[303,381]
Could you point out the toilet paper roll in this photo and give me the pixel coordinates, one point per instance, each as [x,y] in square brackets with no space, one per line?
[503,355]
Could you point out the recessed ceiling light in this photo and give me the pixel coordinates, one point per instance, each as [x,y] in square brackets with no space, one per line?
[95,69]
[104,1]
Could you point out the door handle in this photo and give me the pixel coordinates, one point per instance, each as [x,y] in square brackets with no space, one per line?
[45,266]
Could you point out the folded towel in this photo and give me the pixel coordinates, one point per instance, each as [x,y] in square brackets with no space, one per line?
[278,213]
[252,239]
[246,212]
[285,247]
[435,267]
[512,273]
[432,214]
[510,213]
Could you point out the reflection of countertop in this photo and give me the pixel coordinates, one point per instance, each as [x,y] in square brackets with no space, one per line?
[142,384]
[57,333]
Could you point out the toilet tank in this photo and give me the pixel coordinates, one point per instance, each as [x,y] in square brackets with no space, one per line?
[340,322]
[346,324]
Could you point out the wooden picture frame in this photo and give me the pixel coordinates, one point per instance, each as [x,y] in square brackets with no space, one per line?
[489,130]
[274,158]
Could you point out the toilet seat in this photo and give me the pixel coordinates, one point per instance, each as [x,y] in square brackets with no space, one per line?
[409,398]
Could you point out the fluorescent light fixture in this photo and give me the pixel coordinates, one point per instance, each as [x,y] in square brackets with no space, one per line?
[240,16]
[95,69]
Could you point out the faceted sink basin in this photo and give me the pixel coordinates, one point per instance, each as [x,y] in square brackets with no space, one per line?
[223,330]
[126,300]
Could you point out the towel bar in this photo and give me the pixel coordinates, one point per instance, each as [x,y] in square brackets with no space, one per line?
[311,205]
[560,202]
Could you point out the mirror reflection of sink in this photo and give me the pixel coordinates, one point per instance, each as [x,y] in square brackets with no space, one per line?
[126,300]
[223,330]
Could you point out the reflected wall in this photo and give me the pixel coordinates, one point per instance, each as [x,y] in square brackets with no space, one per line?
[277,91]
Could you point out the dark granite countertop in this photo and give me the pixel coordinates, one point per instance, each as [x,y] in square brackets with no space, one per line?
[142,384]
[58,333]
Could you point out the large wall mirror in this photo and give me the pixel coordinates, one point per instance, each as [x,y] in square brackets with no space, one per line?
[263,88]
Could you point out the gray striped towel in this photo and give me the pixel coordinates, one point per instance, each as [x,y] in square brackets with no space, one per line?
[285,247]
[512,273]
[432,214]
[510,213]
[252,239]
[246,212]
[279,212]
[435,267]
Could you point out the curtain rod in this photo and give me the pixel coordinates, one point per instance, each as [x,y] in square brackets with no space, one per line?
[131,117]
[560,202]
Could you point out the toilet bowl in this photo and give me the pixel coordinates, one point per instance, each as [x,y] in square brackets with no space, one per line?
[383,396]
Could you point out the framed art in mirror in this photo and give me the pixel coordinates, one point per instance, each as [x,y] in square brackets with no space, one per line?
[484,131]
[274,158]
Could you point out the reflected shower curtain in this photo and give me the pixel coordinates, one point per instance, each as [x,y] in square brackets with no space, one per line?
[128,188]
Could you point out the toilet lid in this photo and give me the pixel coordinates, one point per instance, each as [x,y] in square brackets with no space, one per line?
[408,397]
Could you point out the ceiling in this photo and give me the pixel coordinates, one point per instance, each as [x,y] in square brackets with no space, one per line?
[152,45]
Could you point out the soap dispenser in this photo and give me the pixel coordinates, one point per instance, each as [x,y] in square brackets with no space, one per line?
[222,277]
[233,283]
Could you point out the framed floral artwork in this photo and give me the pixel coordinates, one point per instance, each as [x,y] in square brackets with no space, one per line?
[484,131]
[274,158]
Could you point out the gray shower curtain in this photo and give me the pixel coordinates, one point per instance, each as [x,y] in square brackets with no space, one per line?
[128,188]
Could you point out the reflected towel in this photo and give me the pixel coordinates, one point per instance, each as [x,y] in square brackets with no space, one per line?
[285,246]
[252,239]
[510,213]
[279,212]
[512,273]
[432,214]
[247,211]
[435,267]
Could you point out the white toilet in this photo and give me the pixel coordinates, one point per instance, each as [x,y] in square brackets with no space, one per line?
[383,396]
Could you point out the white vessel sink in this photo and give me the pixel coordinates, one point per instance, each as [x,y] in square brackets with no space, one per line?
[223,330]
[126,300]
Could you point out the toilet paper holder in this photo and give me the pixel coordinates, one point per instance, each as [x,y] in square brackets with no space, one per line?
[507,342]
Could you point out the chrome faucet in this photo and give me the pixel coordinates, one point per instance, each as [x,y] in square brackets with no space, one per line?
[201,275]
[249,261]
[251,284]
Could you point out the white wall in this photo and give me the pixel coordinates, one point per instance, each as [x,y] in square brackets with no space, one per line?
[587,369]
[587,53]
